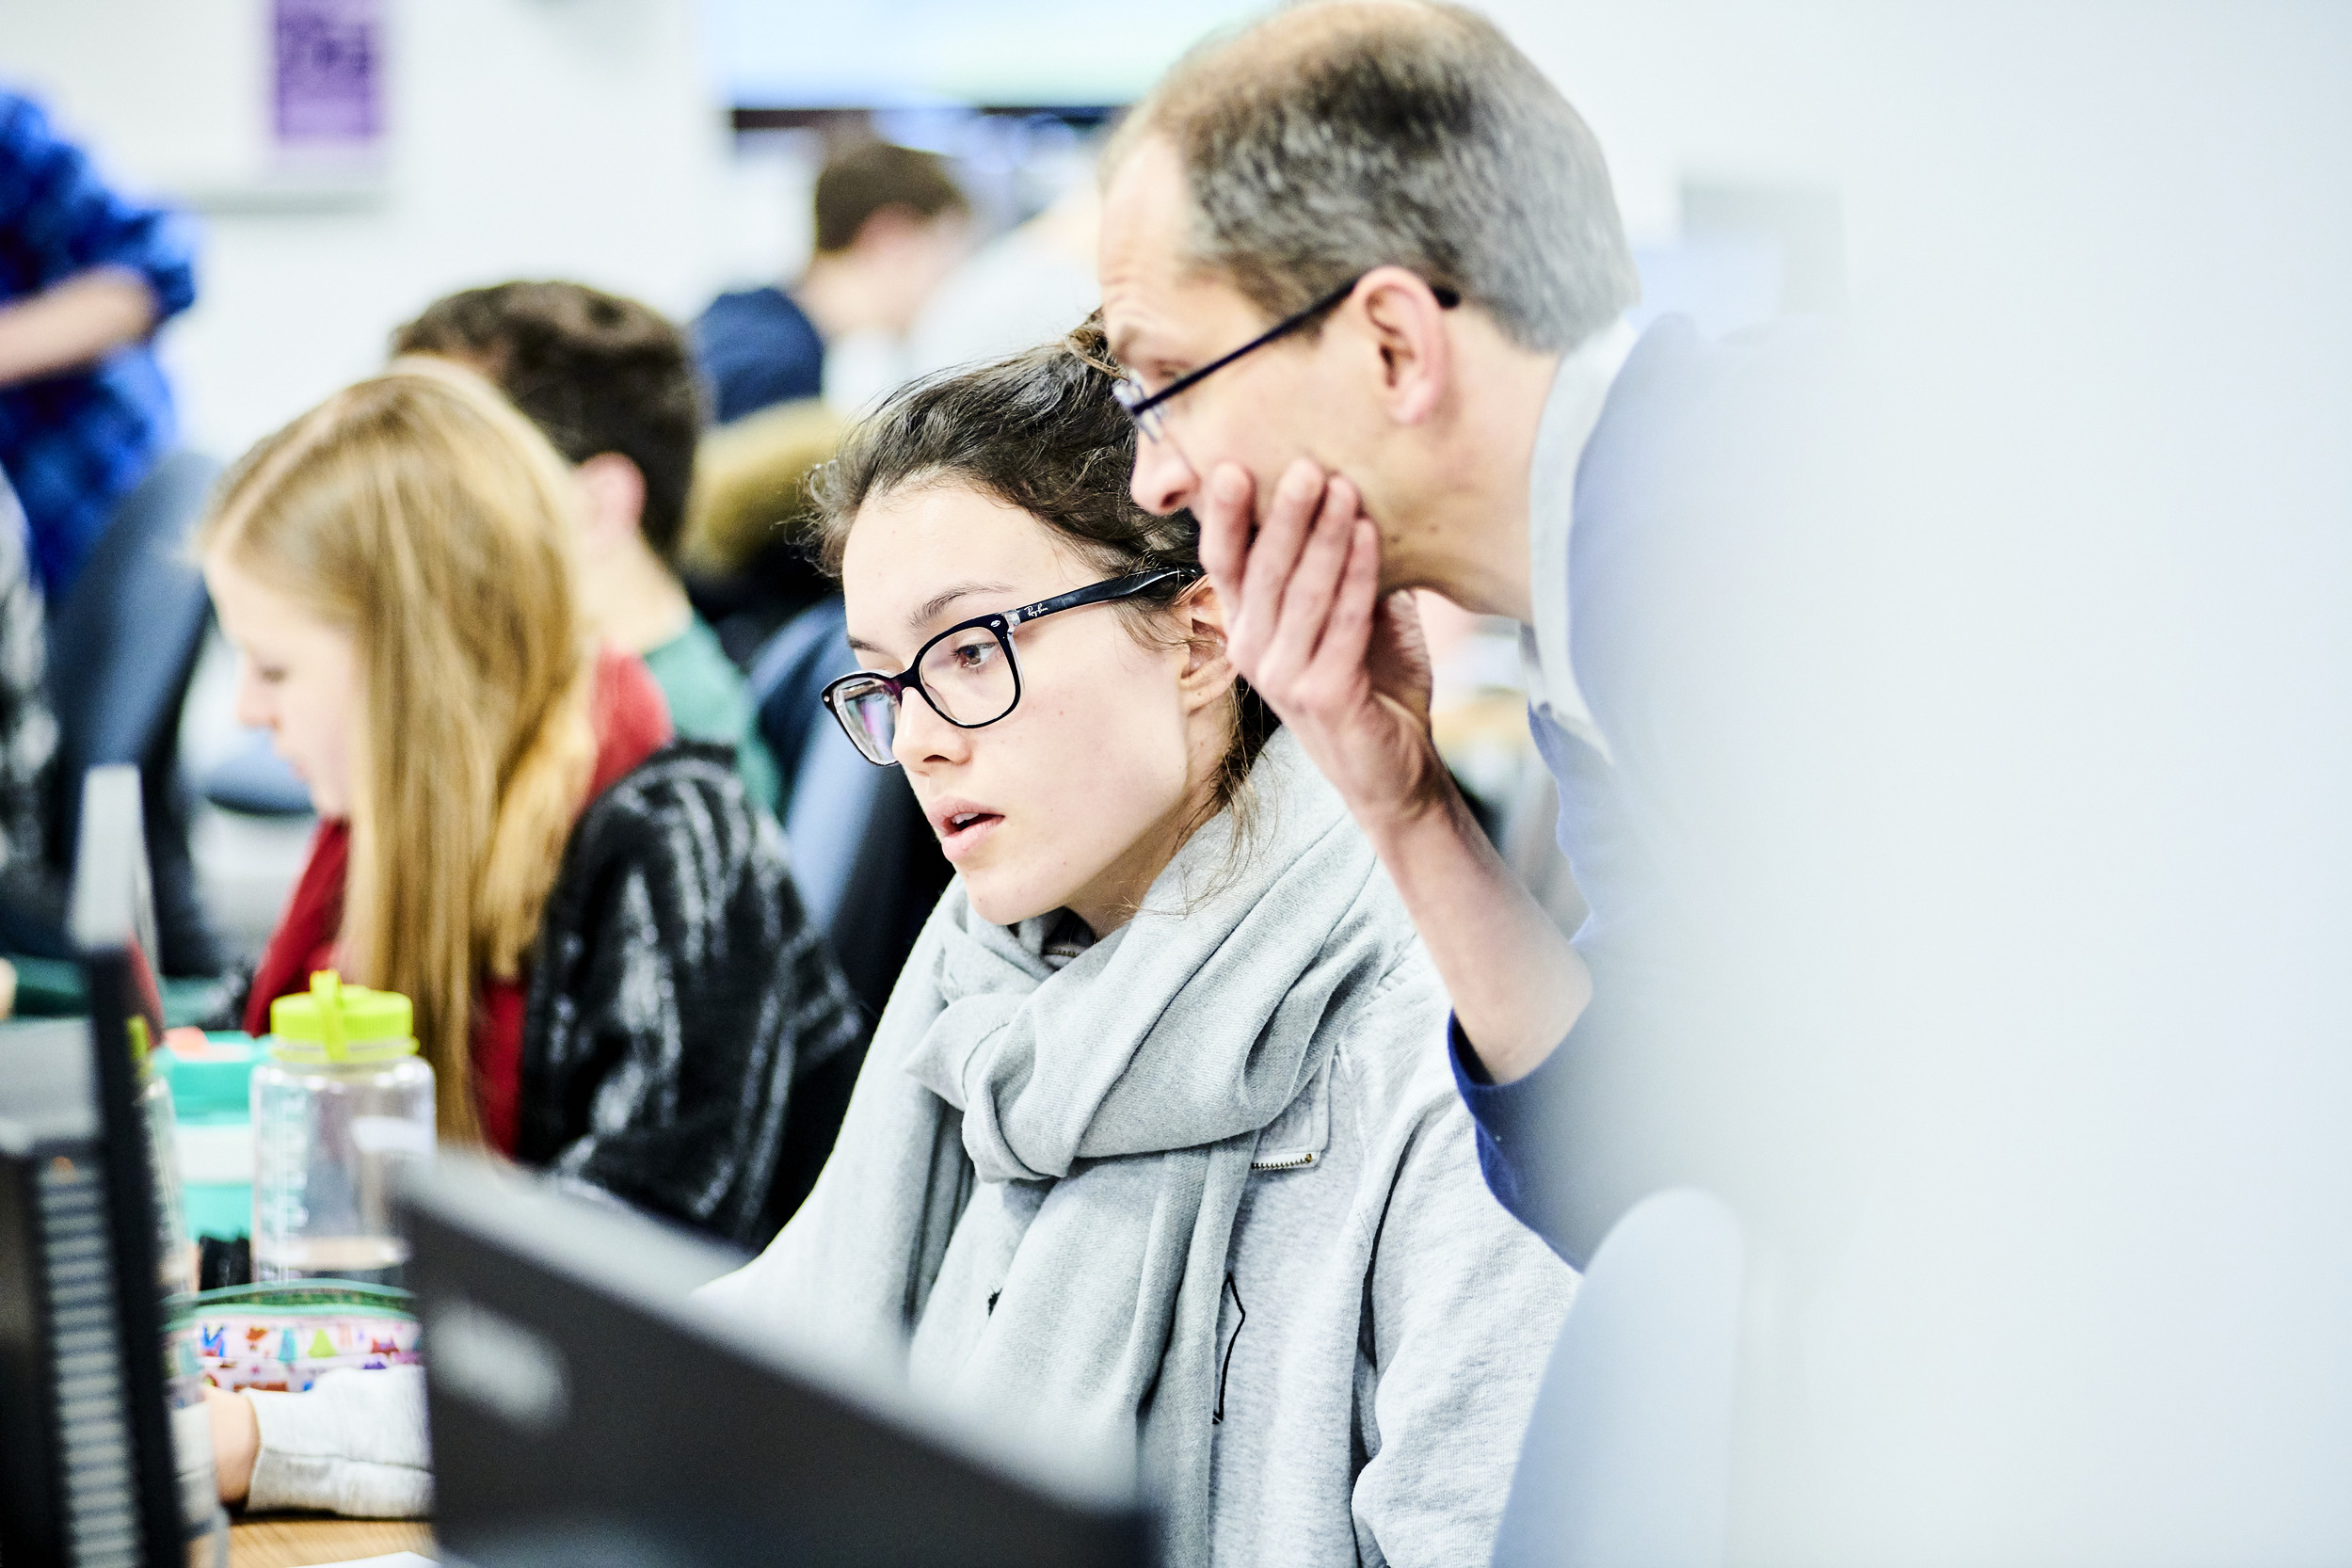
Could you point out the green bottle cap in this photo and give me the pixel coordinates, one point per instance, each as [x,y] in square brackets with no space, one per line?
[342,1022]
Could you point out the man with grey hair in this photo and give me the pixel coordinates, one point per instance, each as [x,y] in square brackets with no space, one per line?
[1364,270]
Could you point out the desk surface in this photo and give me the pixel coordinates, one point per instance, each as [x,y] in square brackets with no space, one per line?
[297,1541]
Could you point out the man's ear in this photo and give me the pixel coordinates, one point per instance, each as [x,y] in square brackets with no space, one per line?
[1208,674]
[888,229]
[612,488]
[1407,330]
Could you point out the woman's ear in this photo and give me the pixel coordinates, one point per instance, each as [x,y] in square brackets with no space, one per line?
[1200,619]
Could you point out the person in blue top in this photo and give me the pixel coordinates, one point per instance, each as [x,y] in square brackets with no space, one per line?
[890,226]
[1366,274]
[86,276]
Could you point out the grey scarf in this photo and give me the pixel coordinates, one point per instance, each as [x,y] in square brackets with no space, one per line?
[1108,1109]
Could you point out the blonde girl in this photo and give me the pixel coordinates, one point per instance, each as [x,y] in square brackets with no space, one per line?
[396,568]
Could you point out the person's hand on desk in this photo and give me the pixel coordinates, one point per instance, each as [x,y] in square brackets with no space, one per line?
[236,1442]
[1348,672]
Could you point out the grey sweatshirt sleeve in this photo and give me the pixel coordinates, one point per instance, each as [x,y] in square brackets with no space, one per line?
[1466,1305]
[355,1444]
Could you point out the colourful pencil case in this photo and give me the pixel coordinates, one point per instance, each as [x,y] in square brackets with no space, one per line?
[285,1338]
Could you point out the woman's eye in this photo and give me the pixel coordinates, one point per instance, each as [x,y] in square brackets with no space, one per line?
[972,656]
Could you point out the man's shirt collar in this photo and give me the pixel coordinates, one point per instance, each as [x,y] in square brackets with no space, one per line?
[1571,410]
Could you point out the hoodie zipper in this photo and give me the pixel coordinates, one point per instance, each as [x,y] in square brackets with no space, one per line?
[1292,1163]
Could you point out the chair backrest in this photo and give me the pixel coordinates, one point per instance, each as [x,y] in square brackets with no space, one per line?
[122,647]
[1629,1457]
[790,672]
[867,864]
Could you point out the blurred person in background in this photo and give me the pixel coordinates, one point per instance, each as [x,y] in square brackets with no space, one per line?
[607,380]
[1020,289]
[86,278]
[741,556]
[890,225]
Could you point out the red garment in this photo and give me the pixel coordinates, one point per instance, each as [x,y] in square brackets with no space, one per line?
[632,721]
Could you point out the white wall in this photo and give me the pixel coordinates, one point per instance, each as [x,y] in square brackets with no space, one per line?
[528,137]
[1684,88]
[173,92]
[585,138]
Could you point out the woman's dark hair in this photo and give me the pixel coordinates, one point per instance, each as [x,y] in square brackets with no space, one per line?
[1041,433]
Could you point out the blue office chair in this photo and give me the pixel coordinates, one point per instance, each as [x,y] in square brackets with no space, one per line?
[1629,1457]
[866,863]
[253,780]
[789,674]
[122,647]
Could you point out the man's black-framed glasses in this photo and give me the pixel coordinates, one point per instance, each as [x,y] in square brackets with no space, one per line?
[966,673]
[1146,408]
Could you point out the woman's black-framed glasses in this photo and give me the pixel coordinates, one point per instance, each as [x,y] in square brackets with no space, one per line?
[966,673]
[1147,408]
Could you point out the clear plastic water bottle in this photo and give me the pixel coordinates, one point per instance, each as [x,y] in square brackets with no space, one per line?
[341,1101]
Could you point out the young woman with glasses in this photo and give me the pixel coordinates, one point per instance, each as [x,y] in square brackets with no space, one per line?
[1156,1143]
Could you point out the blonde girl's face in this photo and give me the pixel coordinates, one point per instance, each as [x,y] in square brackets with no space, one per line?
[297,677]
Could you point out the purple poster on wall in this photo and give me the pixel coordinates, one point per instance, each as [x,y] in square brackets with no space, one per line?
[330,74]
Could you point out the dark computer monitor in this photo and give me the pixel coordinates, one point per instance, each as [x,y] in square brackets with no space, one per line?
[583,1411]
[105,1455]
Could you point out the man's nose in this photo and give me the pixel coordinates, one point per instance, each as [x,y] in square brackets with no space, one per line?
[1163,481]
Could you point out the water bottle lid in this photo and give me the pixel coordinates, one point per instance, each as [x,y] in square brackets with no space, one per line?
[342,1020]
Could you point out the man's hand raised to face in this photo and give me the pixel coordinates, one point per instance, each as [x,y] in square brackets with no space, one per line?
[1306,626]
[1348,673]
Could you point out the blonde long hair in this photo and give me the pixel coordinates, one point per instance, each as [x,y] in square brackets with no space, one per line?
[420,511]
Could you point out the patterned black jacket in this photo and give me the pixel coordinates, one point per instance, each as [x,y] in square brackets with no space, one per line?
[677,995]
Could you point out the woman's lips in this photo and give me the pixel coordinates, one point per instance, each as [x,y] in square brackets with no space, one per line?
[962,832]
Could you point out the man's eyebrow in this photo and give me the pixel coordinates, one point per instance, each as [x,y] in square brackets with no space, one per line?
[1129,339]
